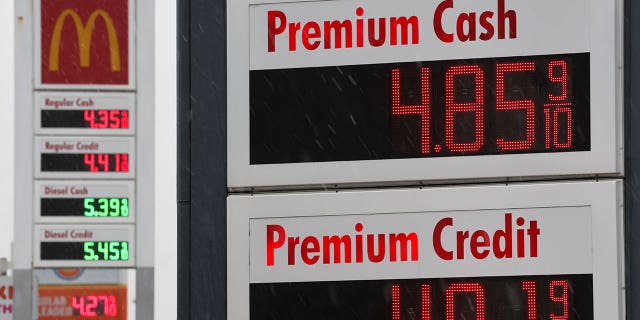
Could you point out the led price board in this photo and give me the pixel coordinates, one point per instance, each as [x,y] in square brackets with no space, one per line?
[531,251]
[84,202]
[98,157]
[84,246]
[94,301]
[343,92]
[84,113]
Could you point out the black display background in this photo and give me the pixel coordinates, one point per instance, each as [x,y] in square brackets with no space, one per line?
[342,113]
[63,119]
[62,207]
[62,250]
[371,299]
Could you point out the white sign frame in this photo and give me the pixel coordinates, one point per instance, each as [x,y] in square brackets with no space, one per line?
[604,198]
[96,189]
[37,54]
[103,101]
[603,40]
[105,145]
[102,233]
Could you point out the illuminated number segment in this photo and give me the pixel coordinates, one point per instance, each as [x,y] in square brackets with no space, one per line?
[422,109]
[530,288]
[464,288]
[95,305]
[526,105]
[452,107]
[558,294]
[106,250]
[106,207]
[395,302]
[107,119]
[100,162]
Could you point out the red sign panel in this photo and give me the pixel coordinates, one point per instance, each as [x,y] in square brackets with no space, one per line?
[84,42]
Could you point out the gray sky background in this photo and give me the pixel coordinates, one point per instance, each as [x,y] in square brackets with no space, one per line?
[165,252]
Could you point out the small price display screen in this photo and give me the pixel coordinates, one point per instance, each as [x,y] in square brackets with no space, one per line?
[84,245]
[83,301]
[84,207]
[496,298]
[87,157]
[85,162]
[92,119]
[83,201]
[90,113]
[510,105]
[85,250]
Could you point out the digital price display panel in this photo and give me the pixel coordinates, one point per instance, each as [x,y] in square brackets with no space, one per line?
[353,92]
[532,297]
[422,109]
[99,157]
[529,251]
[84,113]
[90,301]
[84,202]
[84,246]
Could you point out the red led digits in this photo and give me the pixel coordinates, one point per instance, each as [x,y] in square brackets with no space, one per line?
[95,305]
[526,105]
[559,292]
[464,288]
[107,119]
[395,302]
[426,303]
[557,73]
[422,109]
[105,162]
[555,67]
[530,288]
[453,107]
[556,140]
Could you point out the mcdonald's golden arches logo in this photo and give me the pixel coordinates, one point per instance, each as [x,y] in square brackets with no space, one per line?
[84,42]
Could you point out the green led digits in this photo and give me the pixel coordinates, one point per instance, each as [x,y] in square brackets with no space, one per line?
[106,250]
[106,207]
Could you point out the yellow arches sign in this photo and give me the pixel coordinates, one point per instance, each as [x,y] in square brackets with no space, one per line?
[84,31]
[85,42]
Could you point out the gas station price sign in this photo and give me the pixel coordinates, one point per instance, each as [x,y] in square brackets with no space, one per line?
[85,202]
[84,246]
[538,251]
[84,113]
[373,92]
[71,157]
